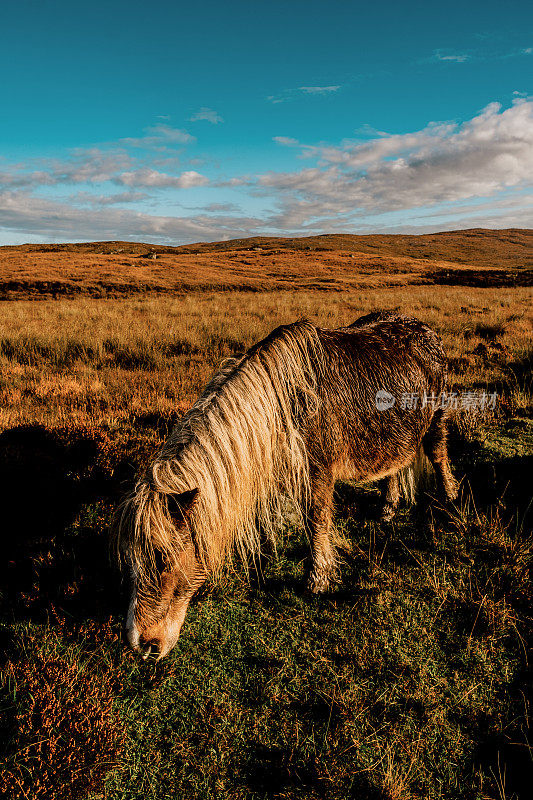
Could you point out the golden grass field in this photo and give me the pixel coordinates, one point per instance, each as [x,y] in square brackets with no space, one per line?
[413,680]
[105,362]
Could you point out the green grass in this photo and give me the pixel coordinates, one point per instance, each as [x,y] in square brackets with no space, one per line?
[410,680]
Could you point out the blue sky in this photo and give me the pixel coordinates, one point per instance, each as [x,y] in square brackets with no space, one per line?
[179,123]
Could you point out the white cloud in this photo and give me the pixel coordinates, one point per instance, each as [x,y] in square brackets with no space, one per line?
[230,208]
[318,89]
[443,163]
[493,52]
[160,180]
[46,219]
[286,141]
[97,167]
[243,180]
[83,166]
[191,178]
[442,55]
[160,136]
[98,200]
[291,94]
[206,114]
[445,175]
[383,146]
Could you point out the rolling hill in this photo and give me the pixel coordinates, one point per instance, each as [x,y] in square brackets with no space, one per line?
[328,262]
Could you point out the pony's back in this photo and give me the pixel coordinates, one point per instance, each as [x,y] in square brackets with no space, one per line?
[381,381]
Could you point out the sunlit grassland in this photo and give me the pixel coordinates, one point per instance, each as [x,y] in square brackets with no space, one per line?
[410,680]
[103,362]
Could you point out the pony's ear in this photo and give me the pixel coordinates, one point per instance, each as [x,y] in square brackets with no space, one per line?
[181,505]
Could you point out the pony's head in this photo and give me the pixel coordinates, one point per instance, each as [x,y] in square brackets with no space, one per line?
[165,572]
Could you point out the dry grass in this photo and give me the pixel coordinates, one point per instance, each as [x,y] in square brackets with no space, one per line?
[327,263]
[22,275]
[109,362]
[67,735]
[478,246]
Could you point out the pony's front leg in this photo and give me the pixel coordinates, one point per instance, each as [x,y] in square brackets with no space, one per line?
[318,524]
[390,497]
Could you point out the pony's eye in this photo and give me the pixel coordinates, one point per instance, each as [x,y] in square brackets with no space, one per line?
[160,561]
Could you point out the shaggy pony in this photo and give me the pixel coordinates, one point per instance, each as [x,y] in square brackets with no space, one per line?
[297,412]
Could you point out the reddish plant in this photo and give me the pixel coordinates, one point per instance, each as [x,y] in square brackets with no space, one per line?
[66,735]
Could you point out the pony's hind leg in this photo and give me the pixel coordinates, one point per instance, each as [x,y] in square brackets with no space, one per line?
[436,449]
[318,524]
[390,497]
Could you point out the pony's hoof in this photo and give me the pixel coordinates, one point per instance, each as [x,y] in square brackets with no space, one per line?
[317,584]
[388,512]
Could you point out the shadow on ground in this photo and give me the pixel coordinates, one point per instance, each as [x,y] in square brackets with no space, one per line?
[271,772]
[56,502]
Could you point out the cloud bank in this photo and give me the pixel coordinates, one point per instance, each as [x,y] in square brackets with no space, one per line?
[441,164]
[446,175]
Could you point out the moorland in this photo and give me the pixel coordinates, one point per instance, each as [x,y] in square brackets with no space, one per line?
[411,679]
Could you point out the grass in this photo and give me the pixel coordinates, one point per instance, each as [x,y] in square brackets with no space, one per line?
[105,362]
[410,680]
[67,736]
[481,247]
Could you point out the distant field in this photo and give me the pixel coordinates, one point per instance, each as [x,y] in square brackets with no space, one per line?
[411,680]
[326,263]
[478,246]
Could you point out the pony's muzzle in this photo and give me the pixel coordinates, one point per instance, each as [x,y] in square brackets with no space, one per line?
[145,648]
[156,639]
[153,644]
[131,635]
[150,649]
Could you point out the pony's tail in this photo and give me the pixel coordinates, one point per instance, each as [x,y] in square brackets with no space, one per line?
[416,478]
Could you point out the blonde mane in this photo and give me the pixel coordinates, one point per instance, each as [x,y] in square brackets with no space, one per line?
[240,445]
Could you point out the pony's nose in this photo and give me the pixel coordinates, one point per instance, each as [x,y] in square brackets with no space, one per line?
[150,648]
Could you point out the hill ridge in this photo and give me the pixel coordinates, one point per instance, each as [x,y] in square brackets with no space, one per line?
[470,246]
[328,262]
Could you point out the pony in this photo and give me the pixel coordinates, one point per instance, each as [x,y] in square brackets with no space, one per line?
[300,410]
